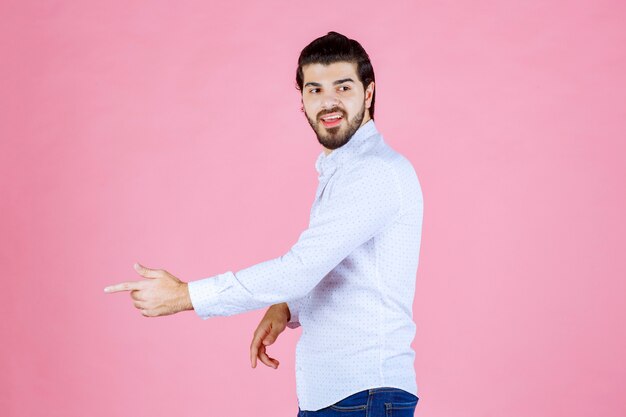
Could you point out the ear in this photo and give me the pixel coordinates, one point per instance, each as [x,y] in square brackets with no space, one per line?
[369,94]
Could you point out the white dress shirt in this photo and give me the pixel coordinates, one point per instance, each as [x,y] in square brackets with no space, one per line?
[349,280]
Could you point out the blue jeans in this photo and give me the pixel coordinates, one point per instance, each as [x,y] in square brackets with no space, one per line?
[374,402]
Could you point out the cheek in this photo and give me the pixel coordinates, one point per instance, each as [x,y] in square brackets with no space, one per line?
[310,108]
[310,101]
[354,107]
[355,102]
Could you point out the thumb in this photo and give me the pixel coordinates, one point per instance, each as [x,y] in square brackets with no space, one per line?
[145,272]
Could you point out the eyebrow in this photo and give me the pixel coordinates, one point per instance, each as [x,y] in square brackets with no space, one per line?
[343,80]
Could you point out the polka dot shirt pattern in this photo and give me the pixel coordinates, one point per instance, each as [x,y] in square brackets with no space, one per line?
[349,280]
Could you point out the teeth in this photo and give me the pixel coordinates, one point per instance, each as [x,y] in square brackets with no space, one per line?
[331,117]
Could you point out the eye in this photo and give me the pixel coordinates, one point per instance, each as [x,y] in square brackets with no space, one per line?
[344,86]
[313,90]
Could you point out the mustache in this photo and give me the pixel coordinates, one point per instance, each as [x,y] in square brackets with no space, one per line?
[333,110]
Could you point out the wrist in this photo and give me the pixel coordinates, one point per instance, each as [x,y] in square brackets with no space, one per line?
[281,310]
[285,310]
[186,303]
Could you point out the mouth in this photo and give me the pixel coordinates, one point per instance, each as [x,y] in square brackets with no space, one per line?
[331,119]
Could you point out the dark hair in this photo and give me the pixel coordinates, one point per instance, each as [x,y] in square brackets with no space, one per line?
[335,47]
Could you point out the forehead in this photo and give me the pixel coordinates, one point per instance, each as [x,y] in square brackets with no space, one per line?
[329,73]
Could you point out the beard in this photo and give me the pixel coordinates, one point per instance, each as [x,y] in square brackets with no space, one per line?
[335,137]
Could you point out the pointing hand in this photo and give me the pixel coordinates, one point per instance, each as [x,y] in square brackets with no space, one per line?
[160,294]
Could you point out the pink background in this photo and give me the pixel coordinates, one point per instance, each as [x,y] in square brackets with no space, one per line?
[169,133]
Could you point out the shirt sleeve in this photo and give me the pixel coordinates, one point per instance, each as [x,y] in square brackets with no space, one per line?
[361,202]
[294,311]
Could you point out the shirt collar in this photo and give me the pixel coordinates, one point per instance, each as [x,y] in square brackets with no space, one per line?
[326,164]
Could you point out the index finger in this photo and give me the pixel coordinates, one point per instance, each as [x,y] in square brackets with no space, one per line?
[124,286]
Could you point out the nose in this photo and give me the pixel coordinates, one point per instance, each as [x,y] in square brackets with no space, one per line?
[330,100]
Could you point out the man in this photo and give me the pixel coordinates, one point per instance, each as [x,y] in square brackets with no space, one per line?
[349,280]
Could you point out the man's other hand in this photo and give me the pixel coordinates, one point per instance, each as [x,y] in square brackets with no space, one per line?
[271,325]
[160,294]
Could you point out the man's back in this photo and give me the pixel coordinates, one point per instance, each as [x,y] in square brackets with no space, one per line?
[357,324]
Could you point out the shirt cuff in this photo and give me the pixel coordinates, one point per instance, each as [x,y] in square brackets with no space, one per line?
[204,294]
[294,311]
